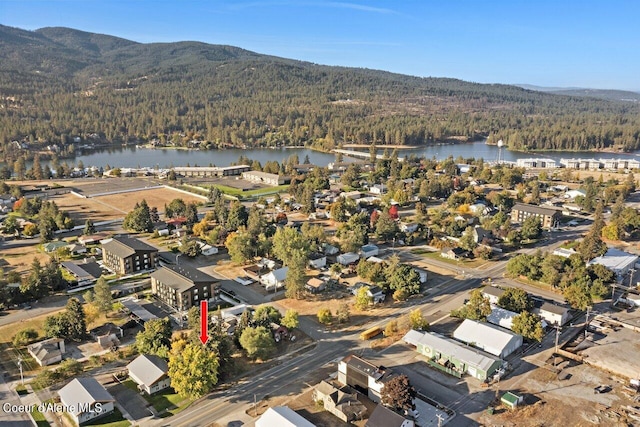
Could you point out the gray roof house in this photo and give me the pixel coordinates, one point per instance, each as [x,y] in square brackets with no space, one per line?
[86,399]
[150,373]
[385,417]
[47,352]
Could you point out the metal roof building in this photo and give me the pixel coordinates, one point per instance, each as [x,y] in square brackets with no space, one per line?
[618,261]
[490,338]
[452,357]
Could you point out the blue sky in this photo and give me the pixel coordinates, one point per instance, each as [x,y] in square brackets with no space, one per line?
[562,43]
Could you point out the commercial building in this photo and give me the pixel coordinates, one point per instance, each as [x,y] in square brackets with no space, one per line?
[127,255]
[487,337]
[211,171]
[86,399]
[150,373]
[363,376]
[549,218]
[264,178]
[618,261]
[452,357]
[182,287]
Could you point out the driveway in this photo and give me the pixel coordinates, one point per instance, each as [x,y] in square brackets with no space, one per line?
[131,401]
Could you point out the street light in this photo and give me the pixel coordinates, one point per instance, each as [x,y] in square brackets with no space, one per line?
[177,256]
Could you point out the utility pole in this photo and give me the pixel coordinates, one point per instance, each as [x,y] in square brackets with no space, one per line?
[613,292]
[440,419]
[255,407]
[586,323]
[556,350]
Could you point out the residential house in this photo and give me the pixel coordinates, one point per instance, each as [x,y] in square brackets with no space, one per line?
[85,272]
[376,294]
[76,249]
[150,372]
[92,239]
[107,335]
[454,253]
[493,293]
[370,250]
[552,313]
[342,402]
[274,279]
[127,255]
[422,273]
[347,258]
[86,399]
[54,246]
[487,337]
[408,227]
[317,260]
[482,236]
[378,189]
[385,417]
[452,357]
[47,352]
[282,416]
[315,285]
[329,249]
[549,217]
[572,194]
[182,287]
[363,376]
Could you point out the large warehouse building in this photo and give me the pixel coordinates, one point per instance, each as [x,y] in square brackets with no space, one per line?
[490,338]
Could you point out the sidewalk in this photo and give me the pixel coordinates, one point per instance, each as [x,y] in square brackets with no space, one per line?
[9,395]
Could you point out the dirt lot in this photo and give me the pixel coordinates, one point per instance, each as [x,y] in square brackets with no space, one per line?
[115,206]
[566,400]
[20,259]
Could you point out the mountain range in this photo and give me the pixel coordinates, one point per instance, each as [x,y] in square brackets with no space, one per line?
[56,83]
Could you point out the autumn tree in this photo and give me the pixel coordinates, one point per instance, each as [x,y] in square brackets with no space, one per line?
[418,321]
[324,316]
[363,299]
[290,319]
[398,394]
[193,369]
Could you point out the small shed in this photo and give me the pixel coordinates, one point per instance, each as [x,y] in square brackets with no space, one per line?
[511,400]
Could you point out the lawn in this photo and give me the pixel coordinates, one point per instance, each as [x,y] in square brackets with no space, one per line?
[249,193]
[167,401]
[40,420]
[470,263]
[113,420]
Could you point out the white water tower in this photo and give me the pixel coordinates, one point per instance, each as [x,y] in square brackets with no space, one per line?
[500,145]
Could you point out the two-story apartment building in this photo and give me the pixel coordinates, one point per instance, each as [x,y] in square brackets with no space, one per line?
[182,287]
[127,255]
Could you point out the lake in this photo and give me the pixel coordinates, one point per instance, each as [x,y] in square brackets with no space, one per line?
[133,157]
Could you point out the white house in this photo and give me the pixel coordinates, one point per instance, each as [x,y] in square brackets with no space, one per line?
[317,260]
[150,373]
[347,258]
[367,251]
[378,189]
[504,318]
[492,293]
[553,314]
[47,352]
[275,278]
[490,338]
[207,249]
[408,227]
[422,273]
[572,194]
[86,399]
[282,416]
[330,249]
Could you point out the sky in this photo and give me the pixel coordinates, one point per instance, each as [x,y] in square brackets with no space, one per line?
[552,43]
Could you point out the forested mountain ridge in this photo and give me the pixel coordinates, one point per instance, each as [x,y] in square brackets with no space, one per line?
[58,82]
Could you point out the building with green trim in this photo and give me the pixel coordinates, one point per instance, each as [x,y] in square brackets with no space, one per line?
[452,357]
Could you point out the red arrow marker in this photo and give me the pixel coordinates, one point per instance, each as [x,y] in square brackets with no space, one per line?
[204,322]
